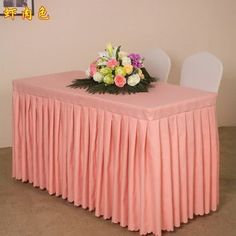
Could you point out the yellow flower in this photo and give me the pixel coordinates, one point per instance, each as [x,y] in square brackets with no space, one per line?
[120,70]
[108,79]
[128,69]
[140,73]
[105,71]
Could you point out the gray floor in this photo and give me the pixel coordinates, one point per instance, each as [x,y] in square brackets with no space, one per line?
[25,210]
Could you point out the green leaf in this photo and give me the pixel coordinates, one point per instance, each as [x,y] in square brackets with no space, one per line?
[93,87]
[147,75]
[117,53]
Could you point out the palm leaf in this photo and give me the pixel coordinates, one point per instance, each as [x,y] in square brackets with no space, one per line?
[93,87]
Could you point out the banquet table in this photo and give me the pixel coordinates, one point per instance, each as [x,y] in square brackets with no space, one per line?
[148,161]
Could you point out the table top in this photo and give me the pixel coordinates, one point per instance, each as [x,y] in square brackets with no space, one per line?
[162,100]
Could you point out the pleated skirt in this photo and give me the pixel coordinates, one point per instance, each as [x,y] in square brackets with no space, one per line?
[146,175]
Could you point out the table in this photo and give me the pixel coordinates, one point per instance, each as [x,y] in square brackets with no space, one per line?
[148,161]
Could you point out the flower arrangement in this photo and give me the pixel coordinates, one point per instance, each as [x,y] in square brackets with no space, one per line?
[114,72]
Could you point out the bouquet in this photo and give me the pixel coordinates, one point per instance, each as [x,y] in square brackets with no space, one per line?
[114,72]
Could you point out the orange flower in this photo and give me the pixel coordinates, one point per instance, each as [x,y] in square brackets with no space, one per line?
[120,81]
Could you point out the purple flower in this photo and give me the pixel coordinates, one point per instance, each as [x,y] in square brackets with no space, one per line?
[136,60]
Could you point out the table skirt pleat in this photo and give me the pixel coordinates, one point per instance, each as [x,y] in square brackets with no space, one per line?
[147,175]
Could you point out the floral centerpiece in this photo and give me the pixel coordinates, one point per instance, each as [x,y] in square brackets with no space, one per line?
[114,72]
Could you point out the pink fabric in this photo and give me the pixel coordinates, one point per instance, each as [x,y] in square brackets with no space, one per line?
[148,161]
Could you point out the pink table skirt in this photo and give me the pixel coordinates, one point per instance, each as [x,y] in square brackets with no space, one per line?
[148,175]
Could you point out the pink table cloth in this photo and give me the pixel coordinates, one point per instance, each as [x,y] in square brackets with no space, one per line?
[148,161]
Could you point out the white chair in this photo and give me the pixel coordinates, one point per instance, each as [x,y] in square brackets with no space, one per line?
[202,71]
[157,63]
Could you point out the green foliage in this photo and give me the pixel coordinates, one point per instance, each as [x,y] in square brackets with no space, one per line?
[117,53]
[93,87]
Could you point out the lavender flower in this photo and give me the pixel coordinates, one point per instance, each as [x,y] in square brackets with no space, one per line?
[136,60]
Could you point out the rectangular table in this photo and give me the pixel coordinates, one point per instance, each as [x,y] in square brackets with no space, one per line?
[149,161]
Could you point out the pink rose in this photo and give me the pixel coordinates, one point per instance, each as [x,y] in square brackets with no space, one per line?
[112,63]
[120,81]
[93,69]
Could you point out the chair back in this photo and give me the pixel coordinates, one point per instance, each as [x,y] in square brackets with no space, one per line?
[157,63]
[202,71]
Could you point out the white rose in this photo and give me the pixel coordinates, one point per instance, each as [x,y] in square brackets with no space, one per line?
[133,80]
[126,61]
[98,77]
[87,72]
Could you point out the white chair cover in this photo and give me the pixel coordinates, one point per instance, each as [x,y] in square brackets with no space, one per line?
[157,63]
[202,71]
